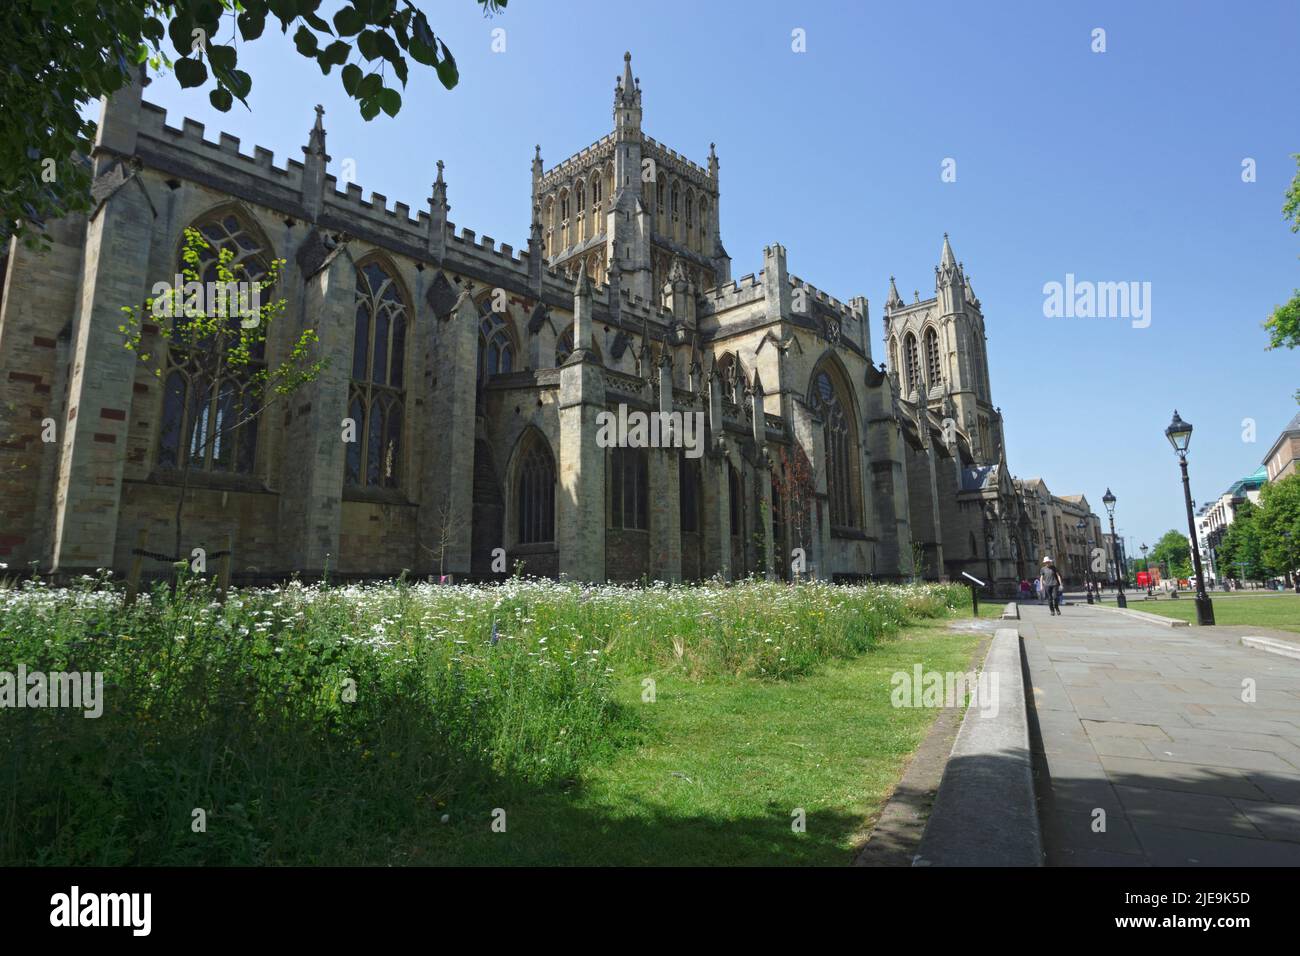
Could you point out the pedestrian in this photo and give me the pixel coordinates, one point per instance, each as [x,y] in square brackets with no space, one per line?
[1050,582]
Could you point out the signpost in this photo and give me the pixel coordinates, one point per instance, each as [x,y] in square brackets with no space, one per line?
[974,595]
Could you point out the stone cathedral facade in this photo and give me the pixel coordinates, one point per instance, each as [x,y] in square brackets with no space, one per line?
[474,373]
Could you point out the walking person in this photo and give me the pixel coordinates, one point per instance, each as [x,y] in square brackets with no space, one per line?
[1051,583]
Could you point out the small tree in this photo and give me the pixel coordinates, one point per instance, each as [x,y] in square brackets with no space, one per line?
[213,331]
[450,520]
[918,560]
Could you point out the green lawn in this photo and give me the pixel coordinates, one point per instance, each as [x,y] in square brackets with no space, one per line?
[720,769]
[1280,611]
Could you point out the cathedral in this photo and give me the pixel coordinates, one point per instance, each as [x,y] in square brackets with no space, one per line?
[473,375]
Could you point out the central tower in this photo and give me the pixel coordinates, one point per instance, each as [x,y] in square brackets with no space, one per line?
[631,212]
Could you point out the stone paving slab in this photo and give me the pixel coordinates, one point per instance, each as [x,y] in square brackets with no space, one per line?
[1156,727]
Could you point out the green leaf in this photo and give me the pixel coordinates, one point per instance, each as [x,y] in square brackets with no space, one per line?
[318,22]
[305,41]
[351,77]
[367,45]
[220,98]
[348,22]
[447,71]
[251,23]
[399,67]
[240,84]
[179,29]
[390,101]
[336,53]
[190,72]
[422,52]
[221,57]
[369,109]
[370,86]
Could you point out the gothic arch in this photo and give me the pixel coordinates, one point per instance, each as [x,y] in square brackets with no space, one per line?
[933,356]
[832,397]
[564,346]
[379,371]
[531,486]
[195,412]
[220,211]
[499,349]
[911,364]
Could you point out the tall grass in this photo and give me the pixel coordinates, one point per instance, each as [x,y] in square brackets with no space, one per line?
[318,725]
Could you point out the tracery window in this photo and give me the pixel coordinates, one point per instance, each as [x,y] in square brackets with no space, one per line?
[688,481]
[377,393]
[535,493]
[934,367]
[210,422]
[841,446]
[629,479]
[913,363]
[496,349]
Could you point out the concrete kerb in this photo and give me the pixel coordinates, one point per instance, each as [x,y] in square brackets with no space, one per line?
[1011,612]
[985,813]
[1143,616]
[1284,648]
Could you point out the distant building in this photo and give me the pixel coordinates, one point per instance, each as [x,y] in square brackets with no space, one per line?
[1283,459]
[1214,518]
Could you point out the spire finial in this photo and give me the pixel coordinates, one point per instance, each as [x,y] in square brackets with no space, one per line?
[316,138]
[439,179]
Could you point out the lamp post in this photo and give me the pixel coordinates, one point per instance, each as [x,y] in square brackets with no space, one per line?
[1082,528]
[1146,566]
[1108,500]
[1179,434]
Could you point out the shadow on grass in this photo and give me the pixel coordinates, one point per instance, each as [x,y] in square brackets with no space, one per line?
[106,792]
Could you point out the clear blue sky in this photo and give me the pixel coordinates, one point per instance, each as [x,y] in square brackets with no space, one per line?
[1118,166]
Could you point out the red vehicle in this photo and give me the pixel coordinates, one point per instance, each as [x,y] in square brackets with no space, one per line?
[1144,579]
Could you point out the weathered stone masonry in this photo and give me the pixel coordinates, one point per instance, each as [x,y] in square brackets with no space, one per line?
[482,426]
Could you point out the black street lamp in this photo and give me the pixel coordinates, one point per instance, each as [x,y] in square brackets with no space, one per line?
[1082,528]
[1179,434]
[1108,500]
[1146,566]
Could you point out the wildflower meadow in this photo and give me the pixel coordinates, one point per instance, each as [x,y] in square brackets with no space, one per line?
[338,724]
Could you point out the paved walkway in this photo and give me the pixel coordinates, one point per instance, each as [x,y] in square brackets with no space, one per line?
[1148,723]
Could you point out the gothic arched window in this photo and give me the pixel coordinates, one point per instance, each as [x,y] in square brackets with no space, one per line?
[912,362]
[840,440]
[535,493]
[496,349]
[690,211]
[893,353]
[211,422]
[564,347]
[595,191]
[933,364]
[629,479]
[688,483]
[377,395]
[733,500]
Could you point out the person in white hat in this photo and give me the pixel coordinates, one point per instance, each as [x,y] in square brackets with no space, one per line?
[1052,584]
